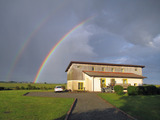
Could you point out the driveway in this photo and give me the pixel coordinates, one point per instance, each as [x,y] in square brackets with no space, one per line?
[88,106]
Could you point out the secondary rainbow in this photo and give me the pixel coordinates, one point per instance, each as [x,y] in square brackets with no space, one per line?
[26,42]
[56,45]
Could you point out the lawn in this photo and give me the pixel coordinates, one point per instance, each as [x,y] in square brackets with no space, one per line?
[14,106]
[140,107]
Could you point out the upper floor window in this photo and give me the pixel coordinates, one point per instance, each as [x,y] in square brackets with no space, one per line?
[93,68]
[78,66]
[113,69]
[122,70]
[103,69]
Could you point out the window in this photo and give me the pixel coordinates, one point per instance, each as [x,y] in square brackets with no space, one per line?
[125,81]
[136,69]
[135,84]
[103,82]
[103,69]
[80,85]
[93,68]
[78,66]
[113,82]
[122,70]
[113,69]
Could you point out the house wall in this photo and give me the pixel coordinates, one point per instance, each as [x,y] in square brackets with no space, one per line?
[75,70]
[97,83]
[88,82]
[73,84]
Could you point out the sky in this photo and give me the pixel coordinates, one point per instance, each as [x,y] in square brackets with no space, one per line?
[122,32]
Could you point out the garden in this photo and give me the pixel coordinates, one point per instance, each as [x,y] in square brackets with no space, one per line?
[141,102]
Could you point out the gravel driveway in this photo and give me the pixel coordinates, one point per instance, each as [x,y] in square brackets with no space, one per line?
[88,106]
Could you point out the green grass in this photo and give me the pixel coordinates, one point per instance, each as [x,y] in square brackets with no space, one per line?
[14,106]
[13,85]
[140,107]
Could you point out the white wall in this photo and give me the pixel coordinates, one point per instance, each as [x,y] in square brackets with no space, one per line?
[97,85]
[88,83]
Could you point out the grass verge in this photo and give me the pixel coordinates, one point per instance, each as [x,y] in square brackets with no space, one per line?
[14,106]
[140,107]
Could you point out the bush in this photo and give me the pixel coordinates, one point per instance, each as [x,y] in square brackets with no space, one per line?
[17,88]
[132,90]
[22,88]
[118,89]
[29,87]
[140,90]
[158,91]
[151,90]
[1,88]
[147,90]
[63,87]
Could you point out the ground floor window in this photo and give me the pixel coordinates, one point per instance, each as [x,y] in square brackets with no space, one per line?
[125,81]
[135,84]
[113,82]
[103,82]
[80,85]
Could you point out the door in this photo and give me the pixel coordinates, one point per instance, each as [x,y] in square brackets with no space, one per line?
[80,85]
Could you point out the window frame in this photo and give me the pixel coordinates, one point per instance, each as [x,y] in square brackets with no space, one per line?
[103,69]
[93,68]
[80,86]
[125,80]
[112,69]
[122,69]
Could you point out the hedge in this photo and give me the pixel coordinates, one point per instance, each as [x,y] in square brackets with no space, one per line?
[143,90]
[132,90]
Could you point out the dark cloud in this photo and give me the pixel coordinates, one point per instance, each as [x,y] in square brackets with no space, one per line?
[121,32]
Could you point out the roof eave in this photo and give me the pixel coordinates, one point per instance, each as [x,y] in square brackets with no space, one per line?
[94,63]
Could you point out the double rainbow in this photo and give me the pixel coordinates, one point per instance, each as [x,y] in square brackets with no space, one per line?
[56,45]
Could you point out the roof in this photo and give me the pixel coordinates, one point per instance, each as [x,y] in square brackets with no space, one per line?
[109,64]
[112,74]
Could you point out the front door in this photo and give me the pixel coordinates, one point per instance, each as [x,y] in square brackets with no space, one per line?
[80,85]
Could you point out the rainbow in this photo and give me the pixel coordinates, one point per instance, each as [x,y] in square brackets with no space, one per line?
[56,45]
[27,41]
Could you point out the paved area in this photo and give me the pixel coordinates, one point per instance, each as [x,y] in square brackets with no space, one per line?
[88,106]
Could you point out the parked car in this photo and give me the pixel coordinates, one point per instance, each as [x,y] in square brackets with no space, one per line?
[58,89]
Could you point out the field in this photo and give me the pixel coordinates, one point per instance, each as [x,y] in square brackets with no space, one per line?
[140,107]
[14,106]
[25,85]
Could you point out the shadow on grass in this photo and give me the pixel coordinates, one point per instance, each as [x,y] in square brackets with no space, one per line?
[142,107]
[61,118]
[106,114]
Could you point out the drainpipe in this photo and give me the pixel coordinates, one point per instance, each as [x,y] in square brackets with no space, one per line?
[93,84]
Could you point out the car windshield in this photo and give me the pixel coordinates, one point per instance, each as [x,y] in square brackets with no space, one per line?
[58,87]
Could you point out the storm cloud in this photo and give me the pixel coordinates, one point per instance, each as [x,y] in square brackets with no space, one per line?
[126,32]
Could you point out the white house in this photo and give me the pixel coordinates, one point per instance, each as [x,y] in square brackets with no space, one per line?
[92,76]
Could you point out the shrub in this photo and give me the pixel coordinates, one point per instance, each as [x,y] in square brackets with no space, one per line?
[118,89]
[132,90]
[29,87]
[63,87]
[147,90]
[17,88]
[158,91]
[140,90]
[1,88]
[151,90]
[22,88]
